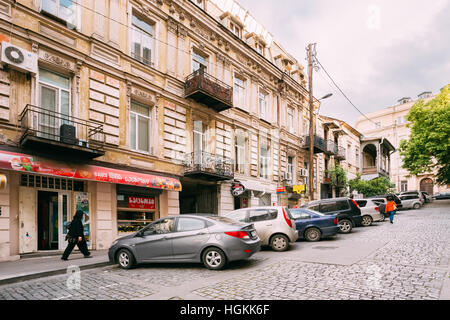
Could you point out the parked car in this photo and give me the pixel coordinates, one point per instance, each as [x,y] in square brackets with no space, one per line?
[381,202]
[442,195]
[209,239]
[346,209]
[427,197]
[313,225]
[397,200]
[411,201]
[275,225]
[370,211]
[417,193]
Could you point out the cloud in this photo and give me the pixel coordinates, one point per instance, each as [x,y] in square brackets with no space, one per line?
[377,51]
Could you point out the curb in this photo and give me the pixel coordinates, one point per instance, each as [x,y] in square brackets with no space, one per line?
[50,273]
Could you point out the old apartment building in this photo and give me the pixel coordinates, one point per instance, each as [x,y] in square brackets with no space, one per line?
[390,123]
[131,110]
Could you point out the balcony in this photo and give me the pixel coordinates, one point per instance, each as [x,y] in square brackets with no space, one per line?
[207,166]
[204,88]
[320,145]
[340,153]
[52,132]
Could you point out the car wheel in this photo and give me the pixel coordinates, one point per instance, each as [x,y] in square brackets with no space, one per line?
[279,242]
[367,221]
[214,259]
[125,259]
[313,234]
[416,206]
[345,226]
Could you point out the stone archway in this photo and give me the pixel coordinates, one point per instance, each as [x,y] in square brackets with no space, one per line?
[427,185]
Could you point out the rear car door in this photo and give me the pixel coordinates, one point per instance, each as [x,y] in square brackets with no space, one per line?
[264,221]
[190,236]
[155,243]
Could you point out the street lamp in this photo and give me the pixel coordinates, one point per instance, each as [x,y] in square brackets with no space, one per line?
[325,96]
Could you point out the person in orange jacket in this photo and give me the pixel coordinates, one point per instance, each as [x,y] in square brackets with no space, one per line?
[391,207]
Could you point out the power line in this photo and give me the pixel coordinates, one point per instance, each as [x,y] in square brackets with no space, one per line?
[317,60]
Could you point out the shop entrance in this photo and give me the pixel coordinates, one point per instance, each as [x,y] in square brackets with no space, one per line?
[198,198]
[53,214]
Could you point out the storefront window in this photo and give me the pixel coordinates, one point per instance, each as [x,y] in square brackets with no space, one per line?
[135,210]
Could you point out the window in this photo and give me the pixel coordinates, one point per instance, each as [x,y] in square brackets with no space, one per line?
[238,216]
[263,105]
[290,167]
[139,127]
[290,119]
[199,136]
[240,152]
[262,215]
[142,40]
[54,91]
[361,203]
[235,29]
[401,120]
[264,157]
[199,60]
[62,9]
[189,224]
[260,48]
[160,227]
[199,3]
[239,93]
[403,186]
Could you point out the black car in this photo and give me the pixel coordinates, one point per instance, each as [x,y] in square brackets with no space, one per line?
[397,200]
[346,209]
[442,195]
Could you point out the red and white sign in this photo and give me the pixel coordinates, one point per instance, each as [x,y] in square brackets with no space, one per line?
[141,203]
[31,164]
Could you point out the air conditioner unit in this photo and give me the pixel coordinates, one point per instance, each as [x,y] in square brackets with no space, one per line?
[67,134]
[303,173]
[18,58]
[287,176]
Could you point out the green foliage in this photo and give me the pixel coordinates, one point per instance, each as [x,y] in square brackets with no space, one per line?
[338,177]
[370,188]
[428,147]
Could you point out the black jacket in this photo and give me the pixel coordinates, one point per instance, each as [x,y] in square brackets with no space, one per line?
[76,229]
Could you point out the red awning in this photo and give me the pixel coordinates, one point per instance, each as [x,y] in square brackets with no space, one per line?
[31,164]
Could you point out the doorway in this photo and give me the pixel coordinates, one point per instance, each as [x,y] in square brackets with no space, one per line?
[53,215]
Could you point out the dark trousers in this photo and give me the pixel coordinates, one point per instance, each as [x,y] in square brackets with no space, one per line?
[82,245]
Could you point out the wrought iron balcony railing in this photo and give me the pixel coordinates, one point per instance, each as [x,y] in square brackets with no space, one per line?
[204,88]
[208,165]
[44,127]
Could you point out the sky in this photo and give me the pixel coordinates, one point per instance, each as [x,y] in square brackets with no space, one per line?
[377,51]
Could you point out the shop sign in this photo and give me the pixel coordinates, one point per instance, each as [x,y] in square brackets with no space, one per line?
[299,188]
[27,163]
[281,190]
[141,203]
[237,189]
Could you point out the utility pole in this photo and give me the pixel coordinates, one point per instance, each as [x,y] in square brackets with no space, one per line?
[311,121]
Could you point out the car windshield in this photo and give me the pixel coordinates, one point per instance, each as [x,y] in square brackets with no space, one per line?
[224,220]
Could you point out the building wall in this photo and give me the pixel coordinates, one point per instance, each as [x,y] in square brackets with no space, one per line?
[391,128]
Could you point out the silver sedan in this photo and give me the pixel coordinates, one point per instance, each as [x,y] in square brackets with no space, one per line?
[209,239]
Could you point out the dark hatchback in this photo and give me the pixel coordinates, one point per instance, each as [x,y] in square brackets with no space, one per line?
[313,225]
[346,209]
[397,200]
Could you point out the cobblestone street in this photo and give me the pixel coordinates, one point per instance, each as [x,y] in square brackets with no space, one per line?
[406,260]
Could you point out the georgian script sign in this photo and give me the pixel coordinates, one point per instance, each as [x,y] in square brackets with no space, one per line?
[141,203]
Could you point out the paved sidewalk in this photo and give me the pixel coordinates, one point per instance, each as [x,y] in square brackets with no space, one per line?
[41,266]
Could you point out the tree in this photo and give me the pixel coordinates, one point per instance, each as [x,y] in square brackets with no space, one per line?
[370,188]
[338,177]
[428,147]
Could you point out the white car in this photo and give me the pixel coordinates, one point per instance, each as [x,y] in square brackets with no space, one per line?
[411,201]
[370,211]
[275,226]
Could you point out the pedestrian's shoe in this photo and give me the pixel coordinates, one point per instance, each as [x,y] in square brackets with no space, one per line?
[88,256]
[392,222]
[65,259]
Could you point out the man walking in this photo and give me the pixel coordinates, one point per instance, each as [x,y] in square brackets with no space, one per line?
[391,207]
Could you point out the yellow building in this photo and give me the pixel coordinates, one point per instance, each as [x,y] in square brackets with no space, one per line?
[391,123]
[131,110]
